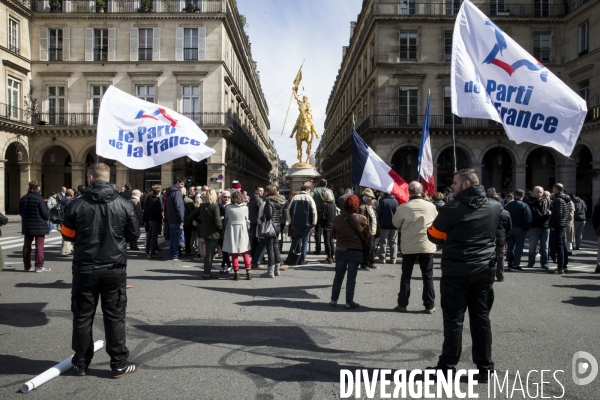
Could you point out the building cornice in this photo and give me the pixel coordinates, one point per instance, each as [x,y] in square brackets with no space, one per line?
[12,53]
[145,74]
[56,74]
[16,67]
[99,74]
[183,16]
[20,7]
[190,73]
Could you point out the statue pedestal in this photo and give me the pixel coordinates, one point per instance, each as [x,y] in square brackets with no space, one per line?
[302,176]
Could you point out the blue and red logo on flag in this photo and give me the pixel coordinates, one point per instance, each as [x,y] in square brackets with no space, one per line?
[510,69]
[159,112]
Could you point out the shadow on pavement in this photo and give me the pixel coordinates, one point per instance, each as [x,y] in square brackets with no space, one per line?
[285,337]
[292,292]
[15,365]
[583,301]
[312,306]
[580,287]
[60,284]
[24,315]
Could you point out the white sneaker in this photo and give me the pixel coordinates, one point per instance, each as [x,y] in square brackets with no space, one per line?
[53,230]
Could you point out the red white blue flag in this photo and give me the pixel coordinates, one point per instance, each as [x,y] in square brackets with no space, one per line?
[369,170]
[493,77]
[425,157]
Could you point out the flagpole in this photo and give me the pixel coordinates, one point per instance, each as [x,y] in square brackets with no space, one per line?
[453,143]
[352,167]
[290,103]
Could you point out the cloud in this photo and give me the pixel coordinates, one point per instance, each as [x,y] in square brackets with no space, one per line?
[285,32]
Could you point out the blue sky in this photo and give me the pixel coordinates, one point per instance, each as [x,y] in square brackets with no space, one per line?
[283,33]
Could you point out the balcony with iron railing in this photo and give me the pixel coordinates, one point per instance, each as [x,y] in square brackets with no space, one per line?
[14,48]
[126,6]
[100,54]
[190,53]
[14,113]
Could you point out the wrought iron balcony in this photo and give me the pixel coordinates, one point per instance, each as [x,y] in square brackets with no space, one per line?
[14,48]
[145,54]
[190,53]
[16,114]
[416,121]
[125,6]
[55,54]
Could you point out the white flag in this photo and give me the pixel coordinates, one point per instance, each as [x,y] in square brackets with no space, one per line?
[495,78]
[142,135]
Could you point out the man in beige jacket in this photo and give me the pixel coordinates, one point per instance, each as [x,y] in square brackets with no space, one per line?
[413,218]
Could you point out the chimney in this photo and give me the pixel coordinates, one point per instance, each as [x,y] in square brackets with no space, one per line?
[352,28]
[344,50]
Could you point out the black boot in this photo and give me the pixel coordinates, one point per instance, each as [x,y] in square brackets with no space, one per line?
[236,276]
[249,274]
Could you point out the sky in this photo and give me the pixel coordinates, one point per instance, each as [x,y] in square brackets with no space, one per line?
[283,33]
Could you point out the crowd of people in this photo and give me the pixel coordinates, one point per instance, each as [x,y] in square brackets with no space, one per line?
[474,228]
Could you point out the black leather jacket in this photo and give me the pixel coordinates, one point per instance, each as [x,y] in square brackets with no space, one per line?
[560,211]
[273,209]
[101,223]
[466,229]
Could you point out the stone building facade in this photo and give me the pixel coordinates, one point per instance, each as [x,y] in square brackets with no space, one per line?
[194,58]
[401,50]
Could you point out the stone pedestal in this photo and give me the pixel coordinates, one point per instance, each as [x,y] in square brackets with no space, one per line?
[302,176]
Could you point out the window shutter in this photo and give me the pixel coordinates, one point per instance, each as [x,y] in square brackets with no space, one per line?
[67,7]
[201,44]
[66,44]
[89,44]
[44,44]
[156,44]
[133,44]
[179,44]
[112,6]
[45,6]
[180,6]
[112,44]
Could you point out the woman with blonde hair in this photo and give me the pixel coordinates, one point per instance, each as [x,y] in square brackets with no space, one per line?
[211,229]
[236,239]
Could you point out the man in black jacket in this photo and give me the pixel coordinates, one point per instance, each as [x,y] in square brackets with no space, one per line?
[101,223]
[580,216]
[558,225]
[541,209]
[504,227]
[175,212]
[34,225]
[466,229]
[388,232]
[153,216]
[257,246]
[520,215]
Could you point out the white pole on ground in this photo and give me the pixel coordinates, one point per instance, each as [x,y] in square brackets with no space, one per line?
[55,371]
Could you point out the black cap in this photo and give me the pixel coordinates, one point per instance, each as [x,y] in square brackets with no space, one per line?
[519,193]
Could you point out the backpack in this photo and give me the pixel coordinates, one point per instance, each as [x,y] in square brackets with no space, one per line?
[57,213]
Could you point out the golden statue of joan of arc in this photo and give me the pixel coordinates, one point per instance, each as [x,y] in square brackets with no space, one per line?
[304,127]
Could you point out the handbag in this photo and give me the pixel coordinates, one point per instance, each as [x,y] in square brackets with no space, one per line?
[366,245]
[265,229]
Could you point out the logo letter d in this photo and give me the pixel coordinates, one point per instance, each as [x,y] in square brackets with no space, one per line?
[582,367]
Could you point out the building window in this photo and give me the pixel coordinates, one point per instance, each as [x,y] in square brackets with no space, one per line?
[14,98]
[452,7]
[145,92]
[372,55]
[97,93]
[583,38]
[13,35]
[448,108]
[56,105]
[498,7]
[100,44]
[583,89]
[541,8]
[541,46]
[55,47]
[408,45]
[190,44]
[145,50]
[408,105]
[407,7]
[448,46]
[190,102]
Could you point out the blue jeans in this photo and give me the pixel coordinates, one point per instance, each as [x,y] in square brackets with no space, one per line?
[50,225]
[516,242]
[259,252]
[174,240]
[304,235]
[541,235]
[340,270]
[560,246]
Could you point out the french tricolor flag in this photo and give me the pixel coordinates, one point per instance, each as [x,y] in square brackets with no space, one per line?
[370,171]
[425,157]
